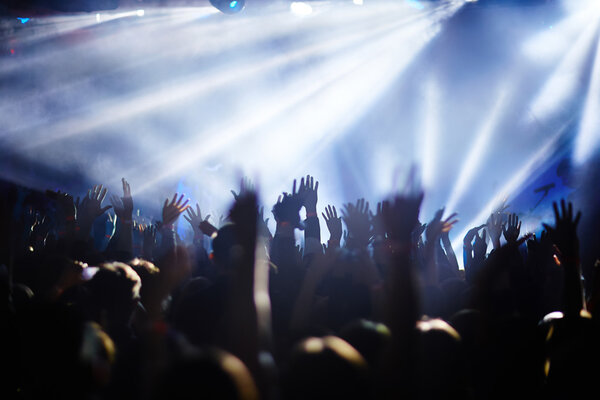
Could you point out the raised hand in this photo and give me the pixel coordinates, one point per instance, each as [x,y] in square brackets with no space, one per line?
[470,236]
[437,227]
[91,208]
[512,229]
[358,222]
[564,234]
[171,211]
[494,228]
[377,220]
[480,246]
[195,219]
[286,210]
[564,237]
[123,206]
[475,251]
[149,242]
[245,186]
[308,193]
[244,215]
[401,216]
[334,224]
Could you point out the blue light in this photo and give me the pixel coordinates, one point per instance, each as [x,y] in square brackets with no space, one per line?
[233,4]
[23,20]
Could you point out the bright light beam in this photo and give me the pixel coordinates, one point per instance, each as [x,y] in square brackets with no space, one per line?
[123,109]
[194,152]
[477,152]
[50,27]
[566,78]
[430,136]
[555,40]
[586,143]
[525,173]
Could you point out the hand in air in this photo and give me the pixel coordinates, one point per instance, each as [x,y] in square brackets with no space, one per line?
[334,223]
[123,206]
[171,211]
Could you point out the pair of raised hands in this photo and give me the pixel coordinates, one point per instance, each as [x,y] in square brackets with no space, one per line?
[496,227]
[288,206]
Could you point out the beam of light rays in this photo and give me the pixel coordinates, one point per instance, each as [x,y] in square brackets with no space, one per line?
[566,79]
[574,6]
[310,132]
[47,28]
[352,30]
[586,142]
[427,146]
[122,109]
[473,161]
[176,22]
[354,84]
[300,92]
[549,44]
[50,27]
[525,173]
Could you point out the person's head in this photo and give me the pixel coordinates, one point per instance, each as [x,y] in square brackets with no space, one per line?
[196,311]
[441,365]
[114,293]
[326,368]
[147,272]
[369,338]
[209,374]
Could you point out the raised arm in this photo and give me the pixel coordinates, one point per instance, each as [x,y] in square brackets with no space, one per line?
[564,236]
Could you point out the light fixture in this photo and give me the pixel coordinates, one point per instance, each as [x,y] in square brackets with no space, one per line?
[228,6]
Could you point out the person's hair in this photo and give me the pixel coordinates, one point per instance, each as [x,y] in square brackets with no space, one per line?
[114,290]
[326,368]
[212,373]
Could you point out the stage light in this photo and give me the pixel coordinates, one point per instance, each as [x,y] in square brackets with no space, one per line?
[23,20]
[228,6]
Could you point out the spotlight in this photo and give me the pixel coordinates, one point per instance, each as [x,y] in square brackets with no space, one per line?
[228,6]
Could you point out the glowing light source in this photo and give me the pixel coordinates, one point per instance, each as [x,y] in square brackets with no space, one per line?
[300,8]
[140,13]
[23,20]
[358,2]
[228,6]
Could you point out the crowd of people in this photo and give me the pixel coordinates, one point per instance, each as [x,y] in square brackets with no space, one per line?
[95,305]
